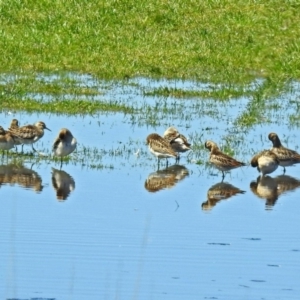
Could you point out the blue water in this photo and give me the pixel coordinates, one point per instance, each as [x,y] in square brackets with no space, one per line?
[104,235]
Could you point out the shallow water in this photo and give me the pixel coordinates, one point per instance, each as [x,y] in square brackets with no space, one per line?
[128,231]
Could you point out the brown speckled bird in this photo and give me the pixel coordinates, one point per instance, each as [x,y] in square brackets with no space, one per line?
[178,141]
[287,157]
[266,162]
[29,134]
[160,147]
[6,140]
[220,160]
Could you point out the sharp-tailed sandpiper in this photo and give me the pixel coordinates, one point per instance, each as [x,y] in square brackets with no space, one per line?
[29,134]
[14,125]
[160,147]
[266,162]
[178,141]
[220,160]
[64,144]
[287,157]
[6,140]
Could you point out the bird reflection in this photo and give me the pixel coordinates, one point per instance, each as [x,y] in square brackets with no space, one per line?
[271,188]
[63,183]
[286,183]
[218,192]
[265,188]
[166,178]
[12,174]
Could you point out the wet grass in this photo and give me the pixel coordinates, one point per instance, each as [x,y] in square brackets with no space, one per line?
[84,156]
[260,104]
[224,92]
[230,43]
[62,85]
[263,102]
[215,41]
[69,93]
[68,107]
[55,93]
[294,118]
[218,93]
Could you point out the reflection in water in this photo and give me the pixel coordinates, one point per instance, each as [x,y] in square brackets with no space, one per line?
[218,192]
[265,188]
[63,184]
[271,188]
[286,183]
[166,178]
[17,174]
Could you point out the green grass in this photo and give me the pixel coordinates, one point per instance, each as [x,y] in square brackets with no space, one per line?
[69,107]
[221,93]
[56,93]
[260,104]
[61,85]
[212,41]
[84,156]
[230,43]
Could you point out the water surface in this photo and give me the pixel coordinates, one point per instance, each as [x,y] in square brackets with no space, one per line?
[127,231]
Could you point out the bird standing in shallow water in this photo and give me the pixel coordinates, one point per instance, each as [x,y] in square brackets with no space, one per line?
[160,147]
[6,140]
[29,134]
[64,144]
[286,157]
[220,160]
[178,141]
[266,162]
[14,125]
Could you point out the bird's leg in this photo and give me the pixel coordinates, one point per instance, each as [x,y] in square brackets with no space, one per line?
[158,161]
[223,175]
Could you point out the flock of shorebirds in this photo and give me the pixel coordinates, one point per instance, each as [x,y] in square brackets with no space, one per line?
[63,145]
[170,145]
[267,161]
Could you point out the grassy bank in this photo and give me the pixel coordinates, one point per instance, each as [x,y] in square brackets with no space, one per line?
[217,41]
